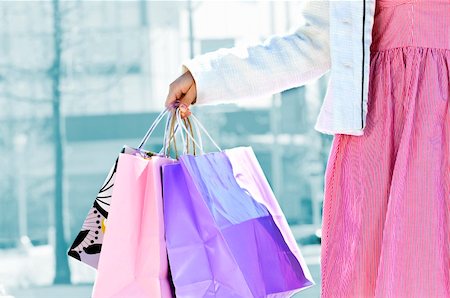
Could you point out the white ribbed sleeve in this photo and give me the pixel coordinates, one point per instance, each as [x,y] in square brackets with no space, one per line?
[274,65]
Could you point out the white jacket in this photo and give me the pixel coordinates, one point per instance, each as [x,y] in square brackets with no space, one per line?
[336,37]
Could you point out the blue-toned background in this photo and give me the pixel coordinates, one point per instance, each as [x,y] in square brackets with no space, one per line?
[79,79]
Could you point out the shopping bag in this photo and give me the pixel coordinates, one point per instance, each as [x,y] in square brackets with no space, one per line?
[133,261]
[221,241]
[87,245]
[250,177]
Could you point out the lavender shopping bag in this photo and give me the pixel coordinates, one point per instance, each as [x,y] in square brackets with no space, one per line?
[250,177]
[221,241]
[133,261]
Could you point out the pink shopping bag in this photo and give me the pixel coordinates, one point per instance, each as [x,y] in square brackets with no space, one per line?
[133,261]
[87,245]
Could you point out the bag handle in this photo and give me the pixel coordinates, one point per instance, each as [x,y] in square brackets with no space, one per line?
[197,122]
[152,128]
[179,123]
[166,142]
[174,124]
[186,142]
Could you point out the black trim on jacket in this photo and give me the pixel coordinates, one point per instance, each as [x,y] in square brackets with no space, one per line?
[363,49]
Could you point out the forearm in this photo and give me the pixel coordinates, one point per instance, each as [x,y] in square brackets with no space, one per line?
[278,63]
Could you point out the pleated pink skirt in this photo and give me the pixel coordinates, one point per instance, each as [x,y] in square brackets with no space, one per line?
[386,212]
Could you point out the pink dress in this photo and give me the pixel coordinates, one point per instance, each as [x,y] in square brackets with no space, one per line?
[386,212]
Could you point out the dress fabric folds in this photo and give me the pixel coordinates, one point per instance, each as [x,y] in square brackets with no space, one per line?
[386,223]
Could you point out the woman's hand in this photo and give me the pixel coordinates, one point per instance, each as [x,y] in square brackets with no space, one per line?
[182,93]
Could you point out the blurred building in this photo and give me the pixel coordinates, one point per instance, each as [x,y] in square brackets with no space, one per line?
[118,58]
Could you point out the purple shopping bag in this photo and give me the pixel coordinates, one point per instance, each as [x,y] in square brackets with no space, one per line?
[250,177]
[221,241]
